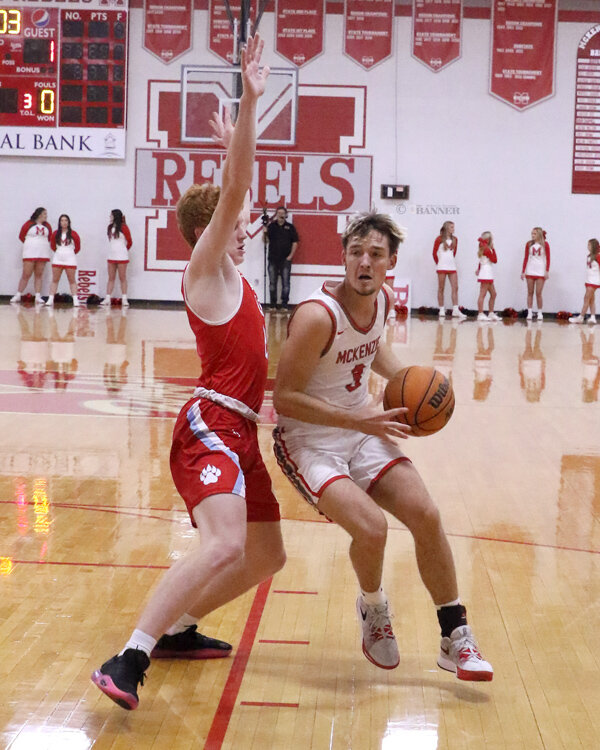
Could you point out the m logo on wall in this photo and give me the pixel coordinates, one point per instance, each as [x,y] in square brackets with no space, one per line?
[321,179]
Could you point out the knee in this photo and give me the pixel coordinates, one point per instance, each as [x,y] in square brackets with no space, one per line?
[425,519]
[224,553]
[373,533]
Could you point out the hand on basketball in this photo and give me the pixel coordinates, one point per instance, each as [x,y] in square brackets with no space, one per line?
[222,127]
[383,424]
[253,76]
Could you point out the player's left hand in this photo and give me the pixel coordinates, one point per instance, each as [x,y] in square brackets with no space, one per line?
[253,76]
[222,127]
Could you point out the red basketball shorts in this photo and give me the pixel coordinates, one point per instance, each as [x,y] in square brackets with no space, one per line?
[215,451]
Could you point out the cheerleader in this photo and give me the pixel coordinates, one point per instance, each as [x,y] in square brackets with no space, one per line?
[35,236]
[444,255]
[592,282]
[119,242]
[66,244]
[485,276]
[536,267]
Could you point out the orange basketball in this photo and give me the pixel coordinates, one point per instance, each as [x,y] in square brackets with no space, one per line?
[426,393]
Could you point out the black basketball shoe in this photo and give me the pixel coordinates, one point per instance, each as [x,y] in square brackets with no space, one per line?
[190,645]
[120,676]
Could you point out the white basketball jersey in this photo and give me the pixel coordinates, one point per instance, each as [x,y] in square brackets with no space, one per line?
[341,377]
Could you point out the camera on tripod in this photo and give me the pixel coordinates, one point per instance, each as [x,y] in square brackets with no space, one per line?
[265,218]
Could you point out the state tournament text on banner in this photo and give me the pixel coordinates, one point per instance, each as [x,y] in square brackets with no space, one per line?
[436,32]
[368,30]
[523,51]
[167,28]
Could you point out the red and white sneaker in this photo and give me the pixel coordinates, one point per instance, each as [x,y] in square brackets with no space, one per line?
[378,641]
[460,654]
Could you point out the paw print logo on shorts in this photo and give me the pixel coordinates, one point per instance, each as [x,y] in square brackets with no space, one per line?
[210,474]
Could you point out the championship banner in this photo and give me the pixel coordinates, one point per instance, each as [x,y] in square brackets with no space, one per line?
[220,32]
[523,51]
[167,28]
[586,146]
[299,29]
[368,30]
[436,32]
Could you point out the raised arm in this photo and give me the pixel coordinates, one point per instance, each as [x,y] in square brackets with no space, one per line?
[211,247]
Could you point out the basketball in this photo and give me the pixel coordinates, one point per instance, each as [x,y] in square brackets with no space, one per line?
[426,393]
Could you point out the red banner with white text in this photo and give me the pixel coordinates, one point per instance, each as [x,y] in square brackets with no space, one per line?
[299,29]
[586,140]
[368,30]
[436,32]
[220,32]
[167,28]
[523,51]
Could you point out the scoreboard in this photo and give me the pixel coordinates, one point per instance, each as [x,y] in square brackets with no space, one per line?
[63,78]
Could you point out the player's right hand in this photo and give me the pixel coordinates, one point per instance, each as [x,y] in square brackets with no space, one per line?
[383,424]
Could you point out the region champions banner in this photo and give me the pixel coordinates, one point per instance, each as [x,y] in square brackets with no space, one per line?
[368,31]
[436,32]
[299,29]
[167,28]
[523,51]
[586,139]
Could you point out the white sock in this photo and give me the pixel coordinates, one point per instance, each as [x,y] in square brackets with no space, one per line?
[449,604]
[142,641]
[182,624]
[374,598]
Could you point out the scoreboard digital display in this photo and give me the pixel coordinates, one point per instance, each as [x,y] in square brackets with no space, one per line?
[63,78]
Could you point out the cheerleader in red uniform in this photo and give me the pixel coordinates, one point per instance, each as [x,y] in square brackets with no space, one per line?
[119,243]
[35,236]
[592,282]
[536,267]
[444,252]
[485,276]
[66,244]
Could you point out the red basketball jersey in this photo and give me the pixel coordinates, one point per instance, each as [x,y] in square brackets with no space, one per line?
[234,353]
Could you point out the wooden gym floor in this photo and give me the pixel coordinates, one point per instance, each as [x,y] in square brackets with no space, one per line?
[90,519]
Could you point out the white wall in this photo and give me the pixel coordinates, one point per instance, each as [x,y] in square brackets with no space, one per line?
[442,134]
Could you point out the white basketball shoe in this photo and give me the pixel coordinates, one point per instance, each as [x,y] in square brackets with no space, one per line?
[378,642]
[460,654]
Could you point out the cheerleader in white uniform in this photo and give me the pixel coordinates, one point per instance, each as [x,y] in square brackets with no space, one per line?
[119,243]
[536,267]
[592,282]
[485,276]
[35,236]
[444,255]
[66,244]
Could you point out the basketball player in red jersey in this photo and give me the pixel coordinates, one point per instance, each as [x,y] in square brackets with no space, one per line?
[339,451]
[215,458]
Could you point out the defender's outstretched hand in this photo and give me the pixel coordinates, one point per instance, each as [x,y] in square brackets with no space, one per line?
[222,127]
[253,76]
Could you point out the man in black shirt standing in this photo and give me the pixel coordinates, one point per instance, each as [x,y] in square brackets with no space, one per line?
[283,241]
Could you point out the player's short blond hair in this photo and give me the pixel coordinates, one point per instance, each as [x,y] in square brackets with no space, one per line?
[195,209]
[361,224]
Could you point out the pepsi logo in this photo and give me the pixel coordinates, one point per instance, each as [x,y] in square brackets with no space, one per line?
[40,18]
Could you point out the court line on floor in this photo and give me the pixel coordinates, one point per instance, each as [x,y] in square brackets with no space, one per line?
[220,723]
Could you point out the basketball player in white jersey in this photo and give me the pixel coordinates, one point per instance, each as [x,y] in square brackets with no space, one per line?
[339,451]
